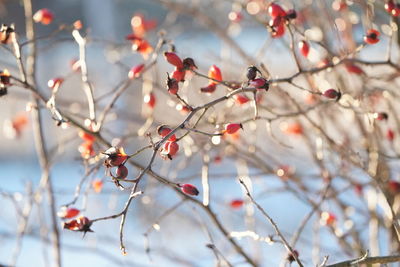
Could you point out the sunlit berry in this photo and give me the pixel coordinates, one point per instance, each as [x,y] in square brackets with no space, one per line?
[86,149]
[97,185]
[164,130]
[43,16]
[396,10]
[328,218]
[55,83]
[389,6]
[86,136]
[304,48]
[275,10]
[7,34]
[150,100]
[136,71]
[169,150]
[214,73]
[116,156]
[68,213]
[182,108]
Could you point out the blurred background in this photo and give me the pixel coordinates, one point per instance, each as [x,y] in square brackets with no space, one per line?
[162,229]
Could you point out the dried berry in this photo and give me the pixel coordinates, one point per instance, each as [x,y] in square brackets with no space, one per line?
[188,64]
[333,94]
[172,85]
[252,72]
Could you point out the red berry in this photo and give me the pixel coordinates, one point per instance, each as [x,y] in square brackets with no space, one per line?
[150,100]
[209,88]
[389,6]
[372,36]
[332,93]
[260,83]
[275,22]
[293,128]
[328,218]
[122,172]
[169,150]
[86,149]
[241,99]
[173,148]
[380,116]
[278,31]
[304,48]
[339,5]
[81,224]
[393,187]
[173,59]
[396,11]
[351,68]
[183,109]
[164,130]
[189,189]
[275,10]
[43,16]
[86,136]
[236,203]
[214,73]
[115,157]
[232,128]
[68,213]
[178,75]
[172,85]
[135,71]
[390,135]
[55,83]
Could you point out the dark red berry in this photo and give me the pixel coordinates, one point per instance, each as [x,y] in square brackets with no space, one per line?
[251,73]
[189,189]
